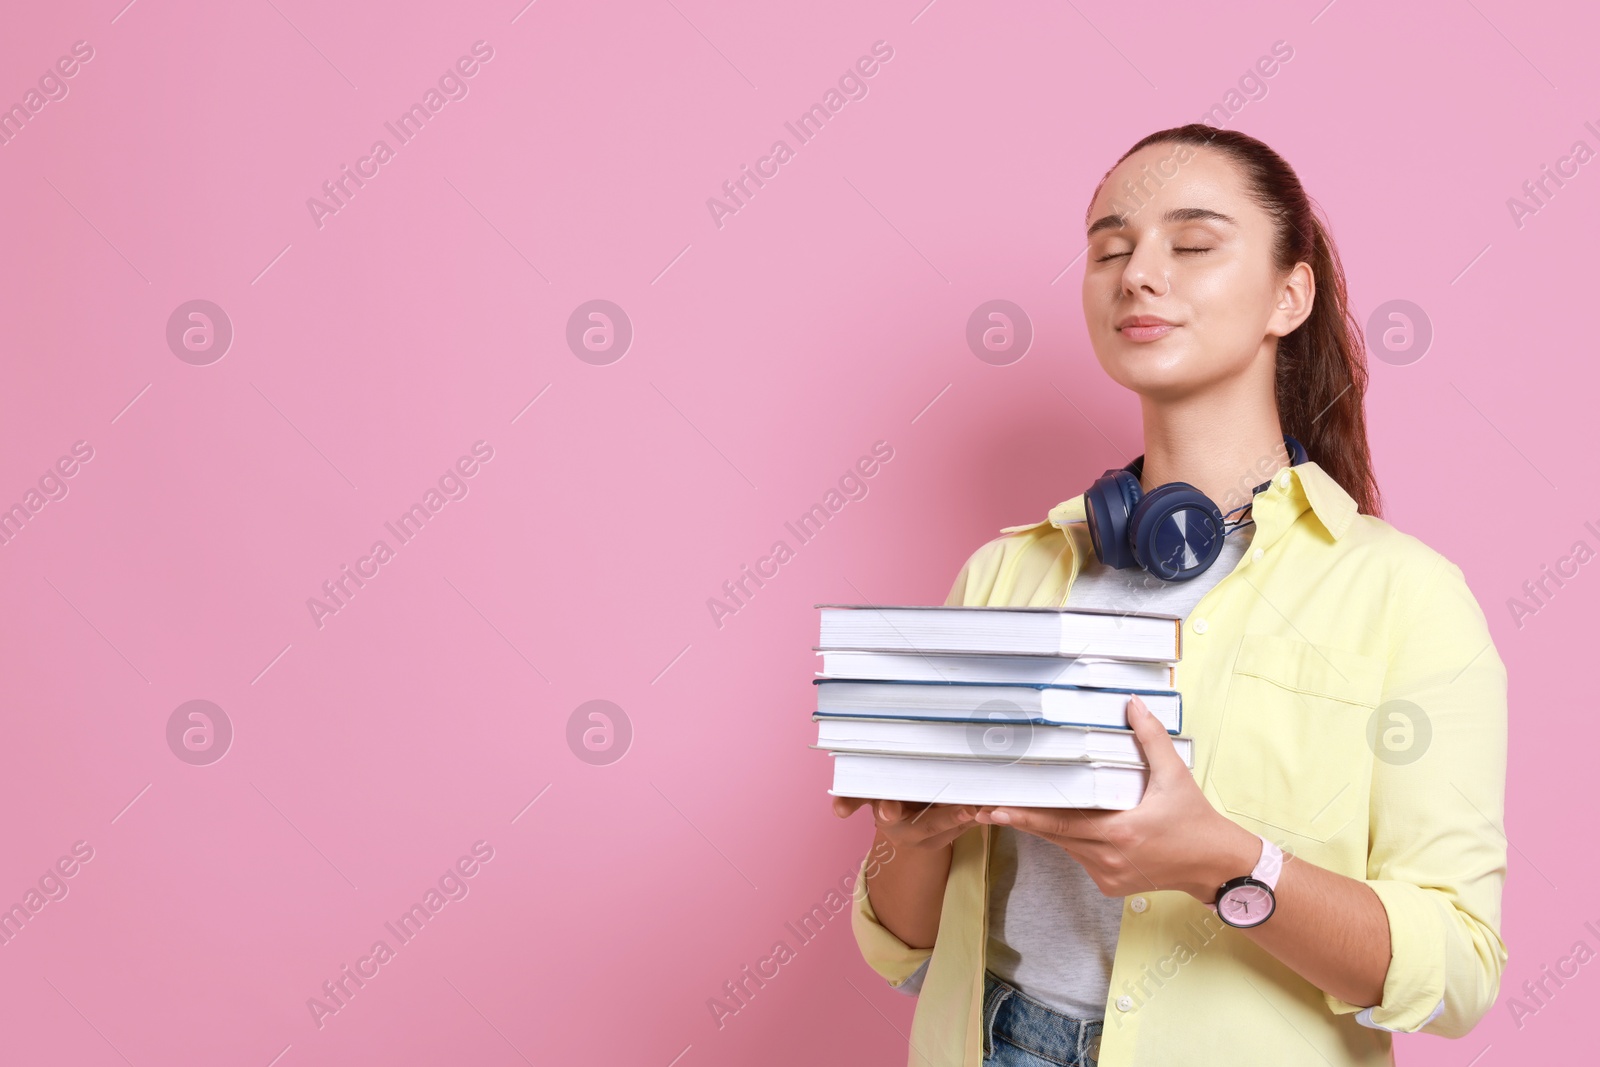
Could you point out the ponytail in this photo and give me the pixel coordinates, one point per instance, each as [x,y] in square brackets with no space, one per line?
[1322,366]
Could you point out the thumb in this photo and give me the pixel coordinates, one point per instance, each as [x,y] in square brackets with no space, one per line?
[1154,741]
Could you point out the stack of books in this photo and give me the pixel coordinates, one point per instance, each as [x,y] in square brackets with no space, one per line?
[993,705]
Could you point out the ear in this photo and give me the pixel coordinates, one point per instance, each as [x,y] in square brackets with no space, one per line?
[1295,300]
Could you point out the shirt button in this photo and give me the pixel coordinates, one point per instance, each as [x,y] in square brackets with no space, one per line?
[1283,479]
[1138,904]
[1199,626]
[1257,554]
[1124,1003]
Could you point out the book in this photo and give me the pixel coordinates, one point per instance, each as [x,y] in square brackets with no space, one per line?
[1040,631]
[994,705]
[995,700]
[1086,784]
[1095,672]
[983,739]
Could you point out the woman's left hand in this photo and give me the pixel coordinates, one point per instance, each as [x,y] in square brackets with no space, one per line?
[1173,839]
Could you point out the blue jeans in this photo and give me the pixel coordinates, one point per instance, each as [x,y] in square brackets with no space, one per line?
[1018,1031]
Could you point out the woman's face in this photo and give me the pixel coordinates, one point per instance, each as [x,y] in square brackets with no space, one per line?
[1192,249]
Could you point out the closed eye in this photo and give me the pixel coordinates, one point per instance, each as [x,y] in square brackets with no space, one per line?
[1114,255]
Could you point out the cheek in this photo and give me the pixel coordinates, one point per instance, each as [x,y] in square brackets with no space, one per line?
[1101,295]
[1230,303]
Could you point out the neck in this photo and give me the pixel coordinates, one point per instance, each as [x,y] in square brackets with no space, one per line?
[1224,449]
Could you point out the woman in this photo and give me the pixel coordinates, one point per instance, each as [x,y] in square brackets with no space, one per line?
[1347,705]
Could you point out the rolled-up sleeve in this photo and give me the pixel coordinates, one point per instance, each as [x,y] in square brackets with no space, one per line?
[1437,846]
[885,953]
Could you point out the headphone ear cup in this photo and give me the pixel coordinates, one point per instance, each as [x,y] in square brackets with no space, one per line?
[1177,532]
[1107,505]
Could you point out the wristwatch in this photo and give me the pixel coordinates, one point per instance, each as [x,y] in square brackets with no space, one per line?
[1249,900]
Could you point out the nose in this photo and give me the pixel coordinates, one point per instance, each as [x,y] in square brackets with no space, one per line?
[1141,274]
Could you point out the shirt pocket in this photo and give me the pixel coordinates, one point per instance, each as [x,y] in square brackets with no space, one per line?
[1292,750]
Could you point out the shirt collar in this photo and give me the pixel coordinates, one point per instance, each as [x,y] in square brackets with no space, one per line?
[1276,508]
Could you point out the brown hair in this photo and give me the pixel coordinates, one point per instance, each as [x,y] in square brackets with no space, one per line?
[1322,365]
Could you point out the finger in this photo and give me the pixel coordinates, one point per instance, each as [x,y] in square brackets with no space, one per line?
[1154,741]
[947,833]
[1071,828]
[1044,821]
[844,807]
[1083,828]
[919,813]
[903,810]
[922,822]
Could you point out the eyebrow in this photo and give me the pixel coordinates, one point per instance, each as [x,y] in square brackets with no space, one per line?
[1177,214]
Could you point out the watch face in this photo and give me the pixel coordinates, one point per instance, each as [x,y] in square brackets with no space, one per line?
[1246,905]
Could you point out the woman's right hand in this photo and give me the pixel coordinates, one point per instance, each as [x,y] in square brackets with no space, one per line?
[910,825]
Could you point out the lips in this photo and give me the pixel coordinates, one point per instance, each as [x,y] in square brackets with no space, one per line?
[1145,327]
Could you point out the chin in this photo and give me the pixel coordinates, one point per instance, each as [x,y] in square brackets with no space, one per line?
[1148,368]
[1160,387]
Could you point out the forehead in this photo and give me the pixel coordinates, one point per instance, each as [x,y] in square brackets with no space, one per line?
[1207,180]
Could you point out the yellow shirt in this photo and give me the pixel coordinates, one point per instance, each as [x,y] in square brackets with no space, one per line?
[1335,628]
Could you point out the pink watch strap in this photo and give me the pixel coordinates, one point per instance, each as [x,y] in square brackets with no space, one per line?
[1267,868]
[1270,866]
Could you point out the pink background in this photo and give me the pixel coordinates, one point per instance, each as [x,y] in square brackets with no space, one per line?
[768,355]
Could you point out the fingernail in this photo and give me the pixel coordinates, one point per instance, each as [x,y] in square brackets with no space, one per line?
[1000,815]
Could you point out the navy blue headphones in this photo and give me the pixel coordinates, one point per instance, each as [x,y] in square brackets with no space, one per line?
[1174,531]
